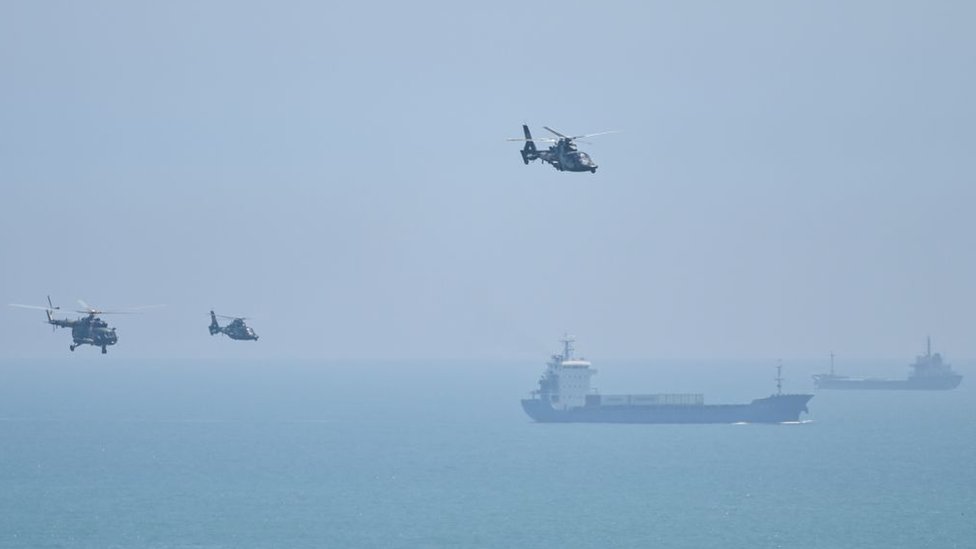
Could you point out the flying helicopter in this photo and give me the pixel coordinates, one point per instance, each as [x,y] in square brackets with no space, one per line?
[236,329]
[564,155]
[87,330]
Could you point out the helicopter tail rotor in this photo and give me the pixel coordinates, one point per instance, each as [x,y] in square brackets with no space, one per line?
[49,311]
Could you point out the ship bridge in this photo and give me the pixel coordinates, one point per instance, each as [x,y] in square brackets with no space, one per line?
[566,381]
[572,384]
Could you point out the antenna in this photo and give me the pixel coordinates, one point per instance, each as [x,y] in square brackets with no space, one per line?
[831,363]
[779,377]
[928,346]
[567,341]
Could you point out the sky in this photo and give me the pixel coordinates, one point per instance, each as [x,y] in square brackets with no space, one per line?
[791,178]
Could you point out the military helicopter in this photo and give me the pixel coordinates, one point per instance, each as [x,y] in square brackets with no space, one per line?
[235,330]
[87,330]
[564,156]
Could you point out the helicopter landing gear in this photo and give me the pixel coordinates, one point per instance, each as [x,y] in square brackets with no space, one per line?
[592,170]
[104,350]
[72,347]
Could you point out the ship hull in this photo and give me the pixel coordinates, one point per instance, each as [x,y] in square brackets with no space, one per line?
[773,409]
[940,383]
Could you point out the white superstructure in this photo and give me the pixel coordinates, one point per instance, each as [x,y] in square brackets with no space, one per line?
[566,381]
[565,385]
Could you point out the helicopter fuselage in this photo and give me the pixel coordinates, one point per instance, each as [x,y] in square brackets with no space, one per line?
[239,332]
[565,157]
[89,330]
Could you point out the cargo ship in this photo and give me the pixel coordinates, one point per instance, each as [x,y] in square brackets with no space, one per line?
[564,396]
[928,373]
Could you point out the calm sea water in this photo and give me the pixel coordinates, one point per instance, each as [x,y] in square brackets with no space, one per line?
[97,452]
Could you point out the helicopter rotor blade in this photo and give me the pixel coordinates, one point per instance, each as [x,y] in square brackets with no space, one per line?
[573,137]
[561,136]
[594,134]
[234,317]
[32,307]
[100,312]
[88,311]
[127,311]
[541,139]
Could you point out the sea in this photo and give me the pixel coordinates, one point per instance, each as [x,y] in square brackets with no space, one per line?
[105,452]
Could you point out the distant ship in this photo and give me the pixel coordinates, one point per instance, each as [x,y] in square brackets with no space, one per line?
[564,396]
[929,373]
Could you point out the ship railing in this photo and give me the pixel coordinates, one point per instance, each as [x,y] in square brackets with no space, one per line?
[663,399]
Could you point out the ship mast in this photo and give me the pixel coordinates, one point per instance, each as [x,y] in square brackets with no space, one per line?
[928,346]
[779,378]
[831,363]
[567,341]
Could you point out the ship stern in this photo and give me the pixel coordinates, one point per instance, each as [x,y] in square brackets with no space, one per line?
[539,410]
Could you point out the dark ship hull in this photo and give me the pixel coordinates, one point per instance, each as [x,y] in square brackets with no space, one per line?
[934,383]
[773,409]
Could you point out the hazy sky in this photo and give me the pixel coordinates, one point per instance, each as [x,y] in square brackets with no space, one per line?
[793,177]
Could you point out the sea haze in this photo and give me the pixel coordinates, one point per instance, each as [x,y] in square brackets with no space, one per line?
[99,452]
